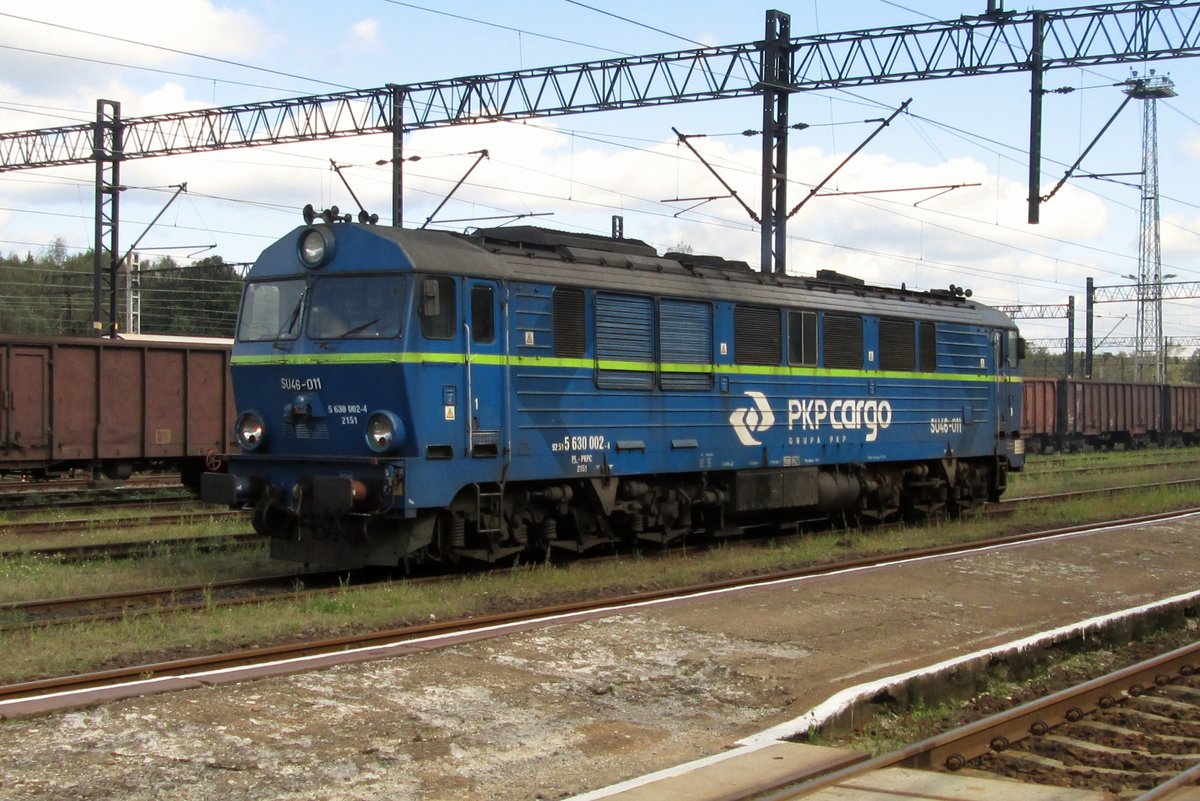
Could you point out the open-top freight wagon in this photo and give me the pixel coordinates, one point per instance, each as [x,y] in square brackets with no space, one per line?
[116,405]
[1077,414]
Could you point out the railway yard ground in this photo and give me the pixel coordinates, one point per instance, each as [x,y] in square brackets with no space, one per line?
[554,712]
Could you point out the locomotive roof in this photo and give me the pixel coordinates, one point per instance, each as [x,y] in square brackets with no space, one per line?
[538,255]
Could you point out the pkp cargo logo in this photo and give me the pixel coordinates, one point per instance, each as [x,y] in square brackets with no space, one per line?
[751,420]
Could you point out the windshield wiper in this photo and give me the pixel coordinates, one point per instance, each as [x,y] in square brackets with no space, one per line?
[287,327]
[357,329]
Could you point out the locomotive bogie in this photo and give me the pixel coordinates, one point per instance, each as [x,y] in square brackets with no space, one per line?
[523,392]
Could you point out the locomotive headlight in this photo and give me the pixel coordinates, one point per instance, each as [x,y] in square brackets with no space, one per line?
[315,247]
[249,430]
[385,432]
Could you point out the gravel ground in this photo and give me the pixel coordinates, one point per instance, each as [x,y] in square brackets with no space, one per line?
[554,712]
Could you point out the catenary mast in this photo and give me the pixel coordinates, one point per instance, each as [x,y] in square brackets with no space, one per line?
[1150,362]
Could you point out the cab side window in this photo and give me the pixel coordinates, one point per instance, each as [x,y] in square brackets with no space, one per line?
[438,304]
[483,315]
[802,338]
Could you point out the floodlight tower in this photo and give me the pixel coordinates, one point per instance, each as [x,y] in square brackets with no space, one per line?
[1150,357]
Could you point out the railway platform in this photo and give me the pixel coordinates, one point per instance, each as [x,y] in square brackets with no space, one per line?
[772,766]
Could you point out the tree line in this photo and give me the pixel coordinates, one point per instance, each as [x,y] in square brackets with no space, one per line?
[52,295]
[1106,366]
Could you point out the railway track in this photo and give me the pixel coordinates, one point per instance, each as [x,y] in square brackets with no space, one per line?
[1134,733]
[138,548]
[31,528]
[134,549]
[200,597]
[105,498]
[260,660]
[124,604]
[1017,501]
[74,610]
[17,485]
[19,538]
[1036,469]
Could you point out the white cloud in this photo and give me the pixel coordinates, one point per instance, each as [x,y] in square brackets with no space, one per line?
[59,72]
[975,236]
[195,25]
[366,32]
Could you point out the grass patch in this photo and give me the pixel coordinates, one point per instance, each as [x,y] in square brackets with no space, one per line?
[27,578]
[132,528]
[1045,483]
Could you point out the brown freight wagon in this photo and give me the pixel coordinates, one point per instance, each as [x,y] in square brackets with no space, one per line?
[1039,414]
[1183,413]
[117,405]
[1101,414]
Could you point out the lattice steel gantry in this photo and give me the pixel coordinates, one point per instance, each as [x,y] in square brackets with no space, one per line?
[779,65]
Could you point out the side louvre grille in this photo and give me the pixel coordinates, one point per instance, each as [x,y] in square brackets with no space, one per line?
[897,345]
[928,347]
[843,342]
[569,336]
[685,337]
[756,336]
[625,333]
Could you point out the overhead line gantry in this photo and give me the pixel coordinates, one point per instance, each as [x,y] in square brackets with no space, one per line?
[774,68]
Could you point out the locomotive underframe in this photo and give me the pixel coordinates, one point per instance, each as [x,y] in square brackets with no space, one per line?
[343,522]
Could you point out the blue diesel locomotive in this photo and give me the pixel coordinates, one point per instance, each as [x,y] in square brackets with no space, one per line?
[406,395]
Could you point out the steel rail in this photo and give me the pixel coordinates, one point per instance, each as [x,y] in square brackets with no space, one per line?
[271,658]
[1063,469]
[1076,494]
[114,550]
[131,548]
[30,528]
[183,598]
[952,750]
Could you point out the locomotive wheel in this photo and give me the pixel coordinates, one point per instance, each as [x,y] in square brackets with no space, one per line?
[443,549]
[537,552]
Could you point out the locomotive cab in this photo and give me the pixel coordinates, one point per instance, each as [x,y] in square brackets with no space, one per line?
[341,345]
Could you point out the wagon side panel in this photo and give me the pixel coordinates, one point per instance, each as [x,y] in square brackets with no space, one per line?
[27,403]
[74,406]
[122,407]
[164,433]
[209,400]
[1039,408]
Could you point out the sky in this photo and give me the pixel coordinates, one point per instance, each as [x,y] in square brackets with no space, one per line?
[576,172]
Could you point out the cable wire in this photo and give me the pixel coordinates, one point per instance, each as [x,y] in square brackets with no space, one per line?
[174,50]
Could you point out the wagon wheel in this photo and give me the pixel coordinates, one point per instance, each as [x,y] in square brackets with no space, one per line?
[214,461]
